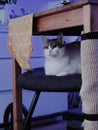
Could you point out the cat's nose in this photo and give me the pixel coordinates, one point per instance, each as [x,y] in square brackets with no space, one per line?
[50,51]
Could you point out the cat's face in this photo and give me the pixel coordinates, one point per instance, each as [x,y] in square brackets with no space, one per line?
[53,47]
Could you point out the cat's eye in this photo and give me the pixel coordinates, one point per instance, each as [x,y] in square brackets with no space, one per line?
[54,46]
[45,47]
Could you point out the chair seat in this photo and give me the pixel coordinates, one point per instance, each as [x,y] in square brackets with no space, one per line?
[36,80]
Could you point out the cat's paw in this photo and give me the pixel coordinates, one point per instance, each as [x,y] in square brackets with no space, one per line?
[62,74]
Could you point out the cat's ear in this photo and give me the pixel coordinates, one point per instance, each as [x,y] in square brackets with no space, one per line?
[44,39]
[60,38]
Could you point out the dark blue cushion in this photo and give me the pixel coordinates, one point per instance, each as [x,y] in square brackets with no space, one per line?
[36,80]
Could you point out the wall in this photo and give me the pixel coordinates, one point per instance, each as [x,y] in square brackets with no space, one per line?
[5,71]
[32,7]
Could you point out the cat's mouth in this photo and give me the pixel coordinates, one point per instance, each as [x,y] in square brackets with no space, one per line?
[50,54]
[53,55]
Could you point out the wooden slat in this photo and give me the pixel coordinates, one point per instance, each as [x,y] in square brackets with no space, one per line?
[64,18]
[17,97]
[90,18]
[67,19]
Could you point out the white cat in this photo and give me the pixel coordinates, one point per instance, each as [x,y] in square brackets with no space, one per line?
[60,58]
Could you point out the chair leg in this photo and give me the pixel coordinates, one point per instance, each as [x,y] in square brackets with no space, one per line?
[27,122]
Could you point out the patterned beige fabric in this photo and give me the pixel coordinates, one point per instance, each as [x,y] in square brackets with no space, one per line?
[20,40]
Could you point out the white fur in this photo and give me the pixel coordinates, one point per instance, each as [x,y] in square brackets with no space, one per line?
[59,62]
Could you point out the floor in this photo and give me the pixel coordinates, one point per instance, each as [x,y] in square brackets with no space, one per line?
[55,124]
